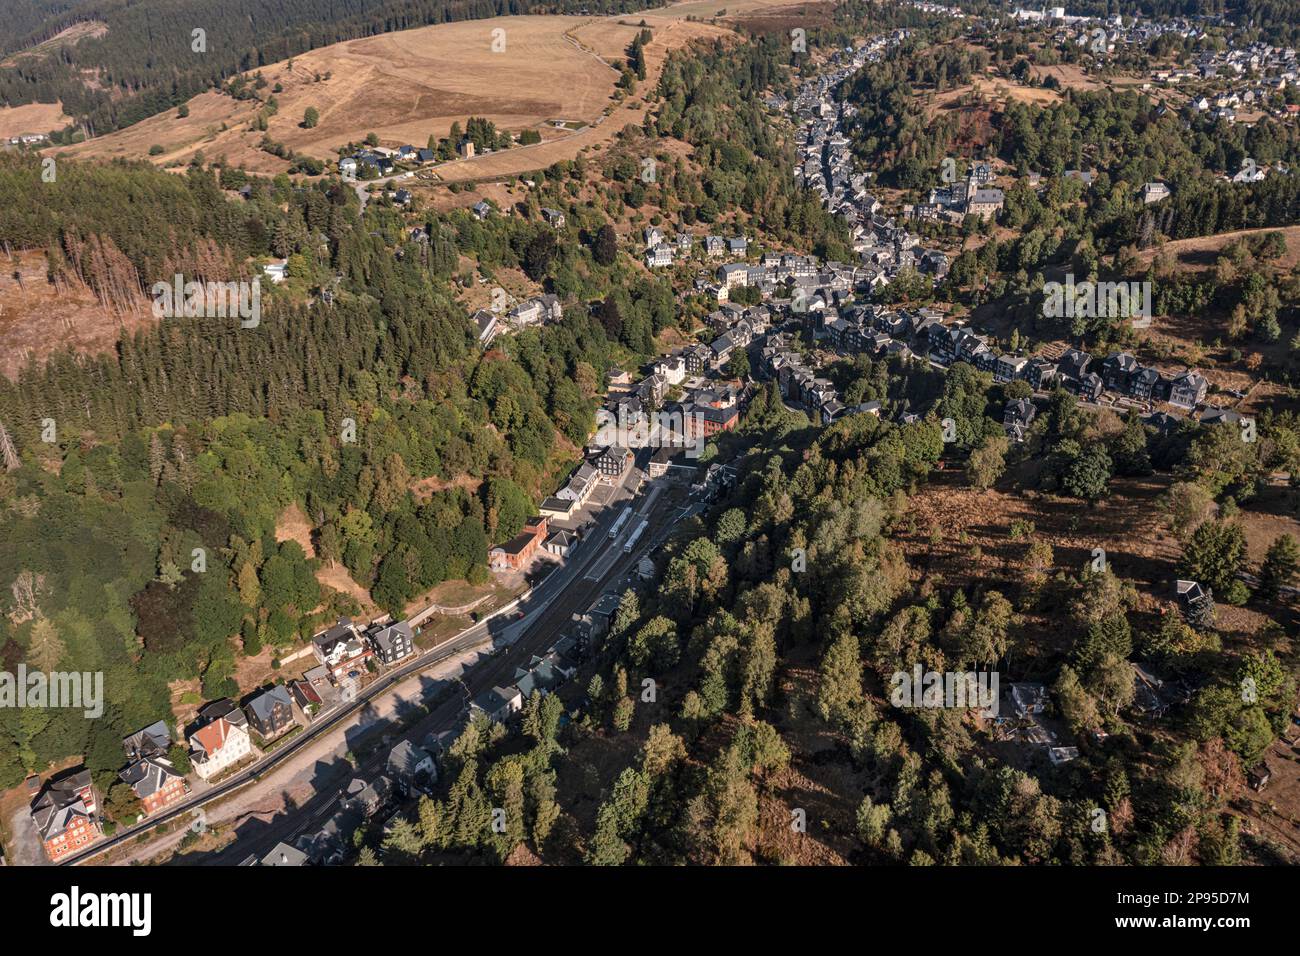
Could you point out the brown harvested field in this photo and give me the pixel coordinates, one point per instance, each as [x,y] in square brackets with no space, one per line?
[37,318]
[32,118]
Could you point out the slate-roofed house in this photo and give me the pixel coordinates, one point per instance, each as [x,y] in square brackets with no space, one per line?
[581,483]
[498,703]
[1145,383]
[270,711]
[393,642]
[488,327]
[1073,364]
[985,203]
[1090,387]
[561,543]
[1188,389]
[1016,418]
[225,707]
[658,257]
[66,815]
[1010,367]
[542,675]
[554,218]
[733,275]
[341,649]
[1215,416]
[367,797]
[411,767]
[697,358]
[330,844]
[1040,373]
[156,782]
[613,462]
[1117,370]
[154,741]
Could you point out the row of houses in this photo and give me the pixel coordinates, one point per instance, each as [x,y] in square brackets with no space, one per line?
[800,383]
[383,160]
[412,767]
[660,252]
[881,331]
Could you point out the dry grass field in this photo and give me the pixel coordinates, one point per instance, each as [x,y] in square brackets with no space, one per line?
[409,85]
[1201,252]
[668,34]
[32,118]
[402,86]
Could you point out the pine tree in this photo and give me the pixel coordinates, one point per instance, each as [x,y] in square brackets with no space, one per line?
[1280,566]
[45,650]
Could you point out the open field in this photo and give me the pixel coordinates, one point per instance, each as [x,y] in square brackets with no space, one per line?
[402,86]
[602,38]
[413,84]
[32,118]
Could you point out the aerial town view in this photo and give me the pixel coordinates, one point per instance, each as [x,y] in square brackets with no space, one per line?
[851,435]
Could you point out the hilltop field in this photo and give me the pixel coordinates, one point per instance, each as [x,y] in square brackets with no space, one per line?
[554,75]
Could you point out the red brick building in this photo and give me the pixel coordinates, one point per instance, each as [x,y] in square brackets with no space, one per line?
[66,815]
[519,550]
[156,782]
